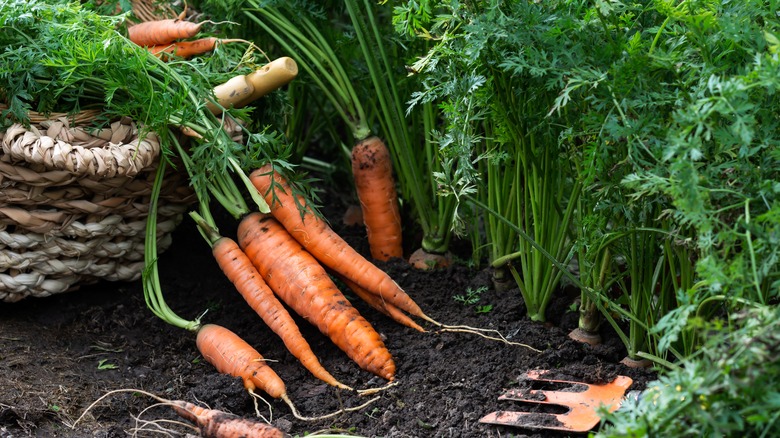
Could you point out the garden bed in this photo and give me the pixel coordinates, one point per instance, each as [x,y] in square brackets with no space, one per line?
[59,354]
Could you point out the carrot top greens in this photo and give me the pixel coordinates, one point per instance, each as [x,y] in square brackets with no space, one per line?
[65,57]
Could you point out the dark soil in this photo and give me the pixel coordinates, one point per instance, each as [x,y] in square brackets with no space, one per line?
[60,354]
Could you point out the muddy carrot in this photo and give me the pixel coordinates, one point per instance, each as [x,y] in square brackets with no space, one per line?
[188,49]
[299,280]
[372,169]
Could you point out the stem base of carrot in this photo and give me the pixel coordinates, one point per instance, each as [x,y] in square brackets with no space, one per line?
[585,337]
[426,261]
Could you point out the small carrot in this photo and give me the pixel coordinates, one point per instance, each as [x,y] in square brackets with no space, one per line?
[372,169]
[325,245]
[213,423]
[244,276]
[232,355]
[299,280]
[161,32]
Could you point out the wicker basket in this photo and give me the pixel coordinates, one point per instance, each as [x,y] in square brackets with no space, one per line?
[74,203]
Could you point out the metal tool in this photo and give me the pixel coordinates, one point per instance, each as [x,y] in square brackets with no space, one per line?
[581,400]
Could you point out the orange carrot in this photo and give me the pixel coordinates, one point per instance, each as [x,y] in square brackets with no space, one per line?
[232,355]
[299,280]
[188,49]
[218,424]
[239,269]
[372,169]
[210,422]
[386,308]
[161,32]
[325,245]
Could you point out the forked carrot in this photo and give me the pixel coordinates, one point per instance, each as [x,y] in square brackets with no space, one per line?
[244,276]
[164,31]
[233,356]
[325,245]
[299,280]
[372,169]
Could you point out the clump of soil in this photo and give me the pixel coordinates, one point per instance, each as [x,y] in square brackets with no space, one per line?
[59,354]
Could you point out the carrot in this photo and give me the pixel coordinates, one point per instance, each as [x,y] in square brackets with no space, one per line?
[386,308]
[372,169]
[188,49]
[325,245]
[232,355]
[239,269]
[213,423]
[299,280]
[161,32]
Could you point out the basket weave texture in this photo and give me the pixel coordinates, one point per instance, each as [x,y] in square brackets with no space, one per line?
[74,203]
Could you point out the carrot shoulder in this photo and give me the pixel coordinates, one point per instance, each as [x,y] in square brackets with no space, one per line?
[299,280]
[244,276]
[232,355]
[325,244]
[372,169]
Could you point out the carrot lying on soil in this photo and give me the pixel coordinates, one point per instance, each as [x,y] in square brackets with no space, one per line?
[232,355]
[164,31]
[299,280]
[386,308]
[325,245]
[372,169]
[244,276]
[188,49]
[211,423]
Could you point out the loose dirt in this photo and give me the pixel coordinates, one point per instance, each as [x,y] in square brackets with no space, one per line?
[61,353]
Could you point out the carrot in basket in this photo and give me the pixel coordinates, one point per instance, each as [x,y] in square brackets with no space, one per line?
[240,271]
[372,169]
[164,31]
[299,280]
[188,49]
[325,245]
[213,423]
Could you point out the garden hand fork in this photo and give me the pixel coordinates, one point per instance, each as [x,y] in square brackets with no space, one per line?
[582,414]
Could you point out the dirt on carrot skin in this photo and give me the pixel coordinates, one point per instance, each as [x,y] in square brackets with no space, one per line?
[61,353]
